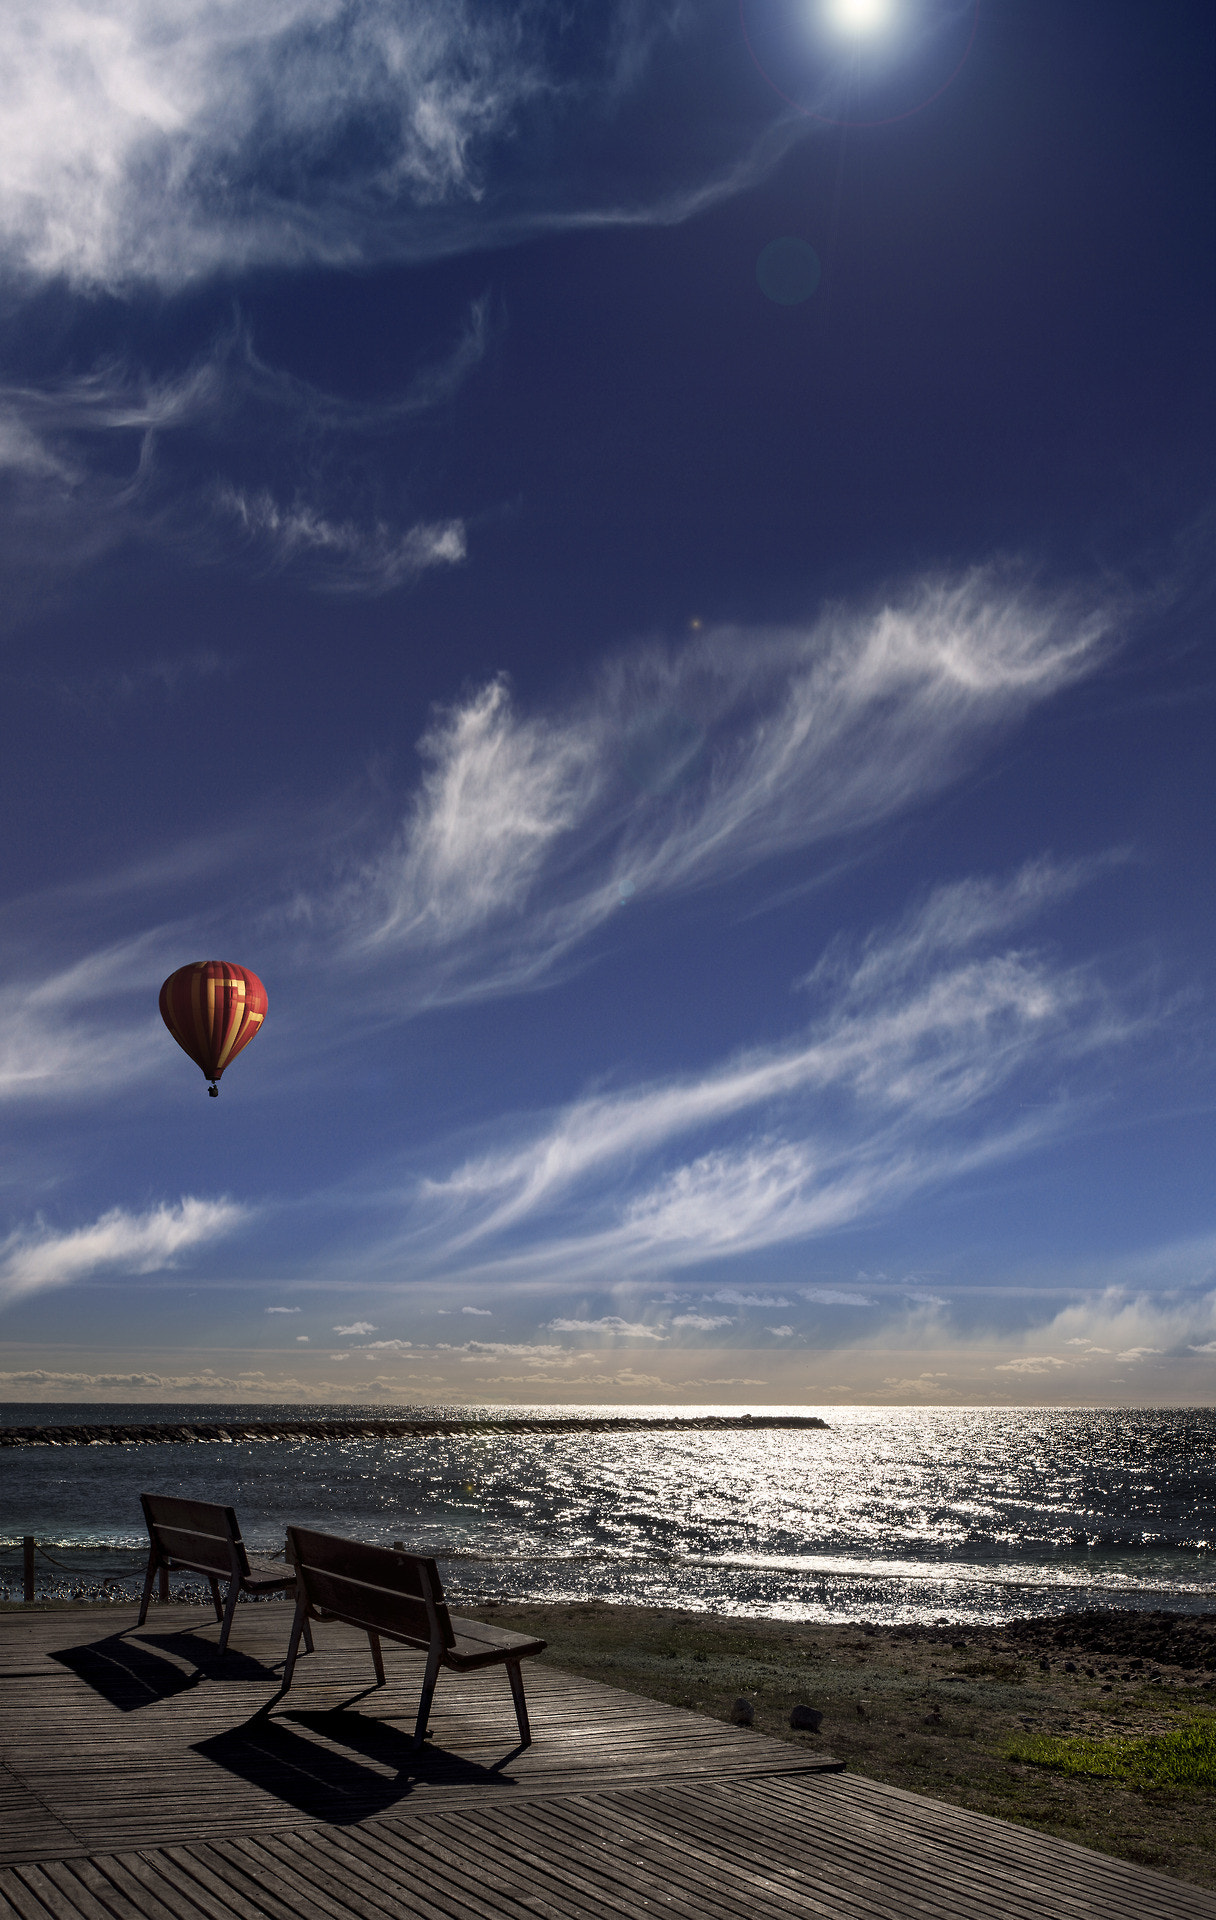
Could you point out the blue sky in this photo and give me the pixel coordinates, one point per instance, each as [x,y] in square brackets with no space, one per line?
[650,572]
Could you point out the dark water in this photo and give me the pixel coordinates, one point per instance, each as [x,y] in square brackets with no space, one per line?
[892,1514]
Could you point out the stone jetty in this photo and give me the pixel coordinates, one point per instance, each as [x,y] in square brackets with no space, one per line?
[192,1432]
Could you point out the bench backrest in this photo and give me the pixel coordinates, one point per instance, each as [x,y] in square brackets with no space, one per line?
[377,1588]
[196,1532]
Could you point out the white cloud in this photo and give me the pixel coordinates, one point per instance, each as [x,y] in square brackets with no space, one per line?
[166,140]
[302,1339]
[283,1309]
[484,1311]
[782,1333]
[679,769]
[134,133]
[370,558]
[498,794]
[474,1350]
[1165,1310]
[510,854]
[899,1083]
[62,1034]
[228,461]
[356,1327]
[35,1258]
[1033,1363]
[703,1322]
[731,1297]
[953,918]
[608,1323]
[835,1297]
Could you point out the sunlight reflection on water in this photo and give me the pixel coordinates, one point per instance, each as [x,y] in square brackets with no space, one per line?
[892,1514]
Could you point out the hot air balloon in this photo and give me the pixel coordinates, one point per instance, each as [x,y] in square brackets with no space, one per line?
[213,1009]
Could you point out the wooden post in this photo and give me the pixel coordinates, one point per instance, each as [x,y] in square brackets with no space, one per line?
[164,1583]
[27,1555]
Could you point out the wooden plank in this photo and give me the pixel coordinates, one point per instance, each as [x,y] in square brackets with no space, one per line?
[879,1811]
[189,1891]
[26,1905]
[397,1861]
[226,1888]
[480,1882]
[63,1893]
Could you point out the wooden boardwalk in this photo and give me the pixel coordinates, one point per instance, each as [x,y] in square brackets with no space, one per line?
[142,1779]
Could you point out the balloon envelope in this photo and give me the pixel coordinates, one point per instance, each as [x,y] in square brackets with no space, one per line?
[213,1009]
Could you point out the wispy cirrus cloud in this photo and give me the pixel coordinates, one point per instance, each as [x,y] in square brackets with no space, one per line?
[679,768]
[35,1258]
[144,141]
[209,460]
[59,1038]
[901,1081]
[684,768]
[361,559]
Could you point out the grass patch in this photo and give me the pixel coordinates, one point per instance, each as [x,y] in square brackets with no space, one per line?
[1181,1760]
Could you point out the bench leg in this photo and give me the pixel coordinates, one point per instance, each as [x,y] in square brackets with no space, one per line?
[373,1641]
[521,1706]
[433,1662]
[215,1597]
[164,1585]
[299,1625]
[147,1595]
[234,1594]
[308,1646]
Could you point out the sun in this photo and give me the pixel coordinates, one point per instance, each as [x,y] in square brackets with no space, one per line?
[858,16]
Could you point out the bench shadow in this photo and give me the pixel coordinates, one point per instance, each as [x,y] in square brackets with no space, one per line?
[130,1673]
[339,1766]
[125,1673]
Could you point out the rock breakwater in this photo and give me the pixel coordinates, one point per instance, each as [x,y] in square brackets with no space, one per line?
[193,1432]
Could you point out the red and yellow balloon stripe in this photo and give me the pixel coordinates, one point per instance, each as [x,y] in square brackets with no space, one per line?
[213,1009]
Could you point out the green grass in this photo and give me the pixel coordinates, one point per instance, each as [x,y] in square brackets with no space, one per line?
[1182,1759]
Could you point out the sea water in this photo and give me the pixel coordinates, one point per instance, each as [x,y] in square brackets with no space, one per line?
[890,1514]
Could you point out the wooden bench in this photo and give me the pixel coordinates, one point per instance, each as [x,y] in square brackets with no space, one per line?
[393,1595]
[196,1537]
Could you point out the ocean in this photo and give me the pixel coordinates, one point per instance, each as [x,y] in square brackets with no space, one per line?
[892,1514]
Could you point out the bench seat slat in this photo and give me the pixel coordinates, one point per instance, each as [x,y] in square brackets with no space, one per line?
[478,1645]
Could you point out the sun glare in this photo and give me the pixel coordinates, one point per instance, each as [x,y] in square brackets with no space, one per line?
[858,16]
